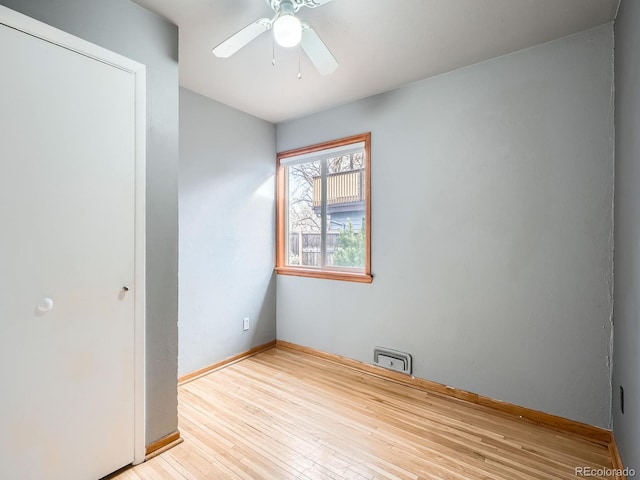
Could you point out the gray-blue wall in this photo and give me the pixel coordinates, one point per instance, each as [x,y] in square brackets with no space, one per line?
[492,229]
[132,31]
[626,360]
[227,167]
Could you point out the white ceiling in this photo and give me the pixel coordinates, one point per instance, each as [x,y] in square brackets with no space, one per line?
[380,44]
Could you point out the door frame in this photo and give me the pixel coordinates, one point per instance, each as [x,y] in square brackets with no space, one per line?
[18,21]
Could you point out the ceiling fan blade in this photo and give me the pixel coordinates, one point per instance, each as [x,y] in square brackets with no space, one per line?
[317,51]
[238,40]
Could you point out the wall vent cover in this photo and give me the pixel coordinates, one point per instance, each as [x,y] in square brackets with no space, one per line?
[392,359]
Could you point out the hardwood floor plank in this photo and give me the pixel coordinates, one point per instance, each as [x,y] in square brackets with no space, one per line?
[284,414]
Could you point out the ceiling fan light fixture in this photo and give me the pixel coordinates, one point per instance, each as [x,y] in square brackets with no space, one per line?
[287,29]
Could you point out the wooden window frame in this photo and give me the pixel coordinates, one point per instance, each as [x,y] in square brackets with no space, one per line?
[331,273]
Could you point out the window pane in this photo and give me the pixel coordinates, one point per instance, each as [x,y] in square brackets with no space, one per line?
[346,240]
[304,202]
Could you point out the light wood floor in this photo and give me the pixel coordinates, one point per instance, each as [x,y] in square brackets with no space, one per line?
[283,414]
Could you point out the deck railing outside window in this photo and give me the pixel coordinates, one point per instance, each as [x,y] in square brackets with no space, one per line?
[342,187]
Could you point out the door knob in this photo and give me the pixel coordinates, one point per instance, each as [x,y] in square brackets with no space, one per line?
[125,289]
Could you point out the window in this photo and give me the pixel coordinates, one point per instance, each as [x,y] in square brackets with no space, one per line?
[323,215]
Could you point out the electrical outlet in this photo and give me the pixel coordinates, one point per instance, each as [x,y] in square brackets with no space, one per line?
[245,324]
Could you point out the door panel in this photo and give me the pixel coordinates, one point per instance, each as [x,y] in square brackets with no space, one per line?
[67,204]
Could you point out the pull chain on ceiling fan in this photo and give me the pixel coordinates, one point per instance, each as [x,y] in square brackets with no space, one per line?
[288,32]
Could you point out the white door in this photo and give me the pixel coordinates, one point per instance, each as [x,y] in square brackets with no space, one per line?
[67,252]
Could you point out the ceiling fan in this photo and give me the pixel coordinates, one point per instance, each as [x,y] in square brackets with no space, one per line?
[288,32]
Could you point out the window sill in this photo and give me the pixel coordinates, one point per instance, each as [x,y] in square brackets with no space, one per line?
[326,274]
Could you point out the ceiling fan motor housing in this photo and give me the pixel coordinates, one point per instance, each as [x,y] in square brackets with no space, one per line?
[279,5]
[287,7]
